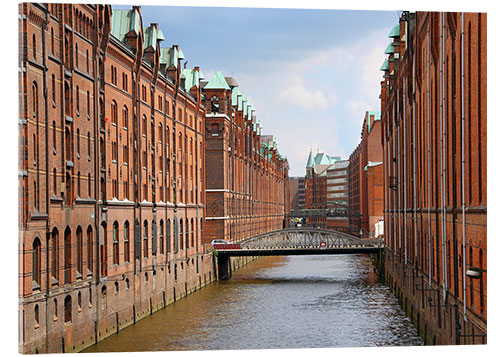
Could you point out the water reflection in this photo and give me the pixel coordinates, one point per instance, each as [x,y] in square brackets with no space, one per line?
[278,302]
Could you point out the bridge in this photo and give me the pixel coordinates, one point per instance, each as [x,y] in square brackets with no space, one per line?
[294,241]
[338,211]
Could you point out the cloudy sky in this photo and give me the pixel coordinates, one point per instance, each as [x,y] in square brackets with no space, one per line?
[310,74]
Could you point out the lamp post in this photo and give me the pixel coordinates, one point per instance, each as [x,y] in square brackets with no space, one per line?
[475,273]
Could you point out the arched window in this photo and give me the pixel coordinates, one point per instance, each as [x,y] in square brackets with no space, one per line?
[34,47]
[67,99]
[145,238]
[144,125]
[181,236]
[162,241]
[104,249]
[67,309]
[52,46]
[168,237]
[76,55]
[54,181]
[79,252]
[37,263]
[89,181]
[37,315]
[78,142]
[53,90]
[79,301]
[90,250]
[116,249]
[192,232]
[55,254]
[87,61]
[77,92]
[126,243]
[67,256]
[114,113]
[88,144]
[187,233]
[55,308]
[88,105]
[125,116]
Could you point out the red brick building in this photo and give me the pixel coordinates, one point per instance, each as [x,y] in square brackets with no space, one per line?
[315,185]
[247,179]
[365,198]
[113,173]
[434,138]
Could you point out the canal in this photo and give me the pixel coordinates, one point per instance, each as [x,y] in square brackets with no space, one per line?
[278,302]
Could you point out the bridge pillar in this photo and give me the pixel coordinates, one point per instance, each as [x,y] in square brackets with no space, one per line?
[223,267]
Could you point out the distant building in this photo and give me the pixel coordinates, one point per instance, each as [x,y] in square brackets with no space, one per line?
[337,194]
[366,178]
[315,184]
[297,192]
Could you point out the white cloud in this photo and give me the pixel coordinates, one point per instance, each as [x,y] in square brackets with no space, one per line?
[299,95]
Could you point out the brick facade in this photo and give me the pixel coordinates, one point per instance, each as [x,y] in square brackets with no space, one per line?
[112,176]
[434,137]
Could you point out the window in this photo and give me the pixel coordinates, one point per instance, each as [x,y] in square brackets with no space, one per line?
[187,234]
[76,55]
[116,251]
[181,236]
[104,250]
[37,315]
[67,309]
[89,181]
[162,242]
[168,236]
[126,243]
[88,145]
[34,47]
[77,101]
[145,238]
[87,61]
[52,40]
[53,90]
[79,251]
[192,232]
[37,263]
[125,117]
[54,181]
[88,105]
[114,113]
[55,254]
[90,250]
[67,256]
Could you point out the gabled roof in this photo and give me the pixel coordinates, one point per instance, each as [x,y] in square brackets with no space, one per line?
[389,49]
[217,81]
[125,22]
[394,32]
[385,66]
[310,160]
[169,56]
[192,77]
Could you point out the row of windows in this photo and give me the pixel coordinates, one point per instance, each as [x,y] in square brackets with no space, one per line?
[185,234]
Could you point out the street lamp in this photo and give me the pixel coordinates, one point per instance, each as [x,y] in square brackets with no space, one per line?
[474,272]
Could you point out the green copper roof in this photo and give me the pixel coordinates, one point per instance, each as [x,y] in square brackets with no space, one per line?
[395,31]
[310,161]
[169,56]
[385,66]
[242,102]
[181,54]
[123,22]
[217,81]
[390,49]
[234,96]
[161,37]
[192,77]
[150,37]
